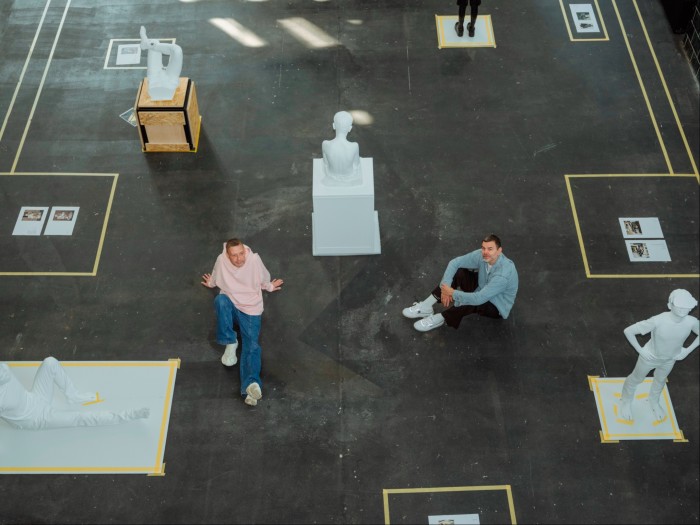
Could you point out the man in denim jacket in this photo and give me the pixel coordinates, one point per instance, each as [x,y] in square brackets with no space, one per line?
[482,282]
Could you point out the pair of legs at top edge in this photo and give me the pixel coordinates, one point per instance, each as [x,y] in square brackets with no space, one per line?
[459,26]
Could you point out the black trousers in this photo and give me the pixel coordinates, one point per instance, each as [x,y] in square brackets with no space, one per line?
[463,9]
[467,281]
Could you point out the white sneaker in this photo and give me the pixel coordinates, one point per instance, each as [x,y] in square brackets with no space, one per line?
[417,310]
[250,401]
[229,358]
[433,321]
[253,391]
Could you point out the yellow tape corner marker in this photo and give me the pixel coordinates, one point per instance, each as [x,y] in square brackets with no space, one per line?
[97,400]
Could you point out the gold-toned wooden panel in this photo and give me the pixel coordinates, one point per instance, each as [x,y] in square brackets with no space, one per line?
[162,118]
[167,147]
[166,135]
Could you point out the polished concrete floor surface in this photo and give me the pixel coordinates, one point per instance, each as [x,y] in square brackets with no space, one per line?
[546,139]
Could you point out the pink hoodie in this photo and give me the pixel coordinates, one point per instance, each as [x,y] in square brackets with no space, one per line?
[242,285]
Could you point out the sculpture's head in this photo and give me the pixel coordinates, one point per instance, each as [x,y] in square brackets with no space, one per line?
[342,121]
[5,373]
[681,302]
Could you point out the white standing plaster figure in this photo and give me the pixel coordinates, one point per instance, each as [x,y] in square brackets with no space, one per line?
[341,158]
[32,409]
[162,80]
[669,330]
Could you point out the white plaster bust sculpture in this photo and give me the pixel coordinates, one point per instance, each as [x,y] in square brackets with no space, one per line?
[162,80]
[341,158]
[668,330]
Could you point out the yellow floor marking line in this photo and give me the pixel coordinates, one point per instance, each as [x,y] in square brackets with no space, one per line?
[644,91]
[606,38]
[41,87]
[24,69]
[579,234]
[506,488]
[668,94]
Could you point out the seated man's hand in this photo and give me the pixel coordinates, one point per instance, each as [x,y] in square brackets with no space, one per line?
[206,280]
[446,297]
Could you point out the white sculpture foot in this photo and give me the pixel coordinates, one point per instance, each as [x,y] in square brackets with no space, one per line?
[659,413]
[626,410]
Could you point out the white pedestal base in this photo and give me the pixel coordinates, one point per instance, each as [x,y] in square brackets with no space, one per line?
[344,221]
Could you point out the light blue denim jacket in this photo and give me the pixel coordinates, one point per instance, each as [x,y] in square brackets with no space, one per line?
[498,286]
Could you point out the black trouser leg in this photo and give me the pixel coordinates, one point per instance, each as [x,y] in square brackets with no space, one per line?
[474,14]
[462,12]
[466,281]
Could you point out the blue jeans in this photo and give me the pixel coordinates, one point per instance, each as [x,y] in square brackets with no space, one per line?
[227,316]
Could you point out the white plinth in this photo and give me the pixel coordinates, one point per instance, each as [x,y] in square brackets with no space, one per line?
[344,221]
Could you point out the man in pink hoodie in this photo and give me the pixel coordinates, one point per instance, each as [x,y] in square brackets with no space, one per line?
[241,277]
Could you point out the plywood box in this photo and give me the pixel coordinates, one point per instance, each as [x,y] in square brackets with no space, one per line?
[169,125]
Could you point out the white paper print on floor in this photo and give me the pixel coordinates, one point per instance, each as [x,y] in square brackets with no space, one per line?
[584,18]
[454,519]
[62,220]
[648,250]
[128,54]
[641,228]
[30,220]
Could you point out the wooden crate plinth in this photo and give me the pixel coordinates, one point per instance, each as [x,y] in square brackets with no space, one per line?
[169,125]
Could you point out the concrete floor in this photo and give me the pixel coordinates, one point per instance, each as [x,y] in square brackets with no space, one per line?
[465,142]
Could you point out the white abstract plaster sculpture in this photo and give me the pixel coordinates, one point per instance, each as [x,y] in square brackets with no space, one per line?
[162,80]
[341,158]
[32,409]
[668,330]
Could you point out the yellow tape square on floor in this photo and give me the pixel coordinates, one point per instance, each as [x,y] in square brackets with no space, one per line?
[447,36]
[644,426]
[135,447]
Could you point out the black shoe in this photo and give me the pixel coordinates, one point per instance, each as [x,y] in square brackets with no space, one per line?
[459,29]
[470,26]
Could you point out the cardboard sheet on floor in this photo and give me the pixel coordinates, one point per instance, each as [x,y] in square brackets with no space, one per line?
[447,36]
[644,426]
[136,447]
